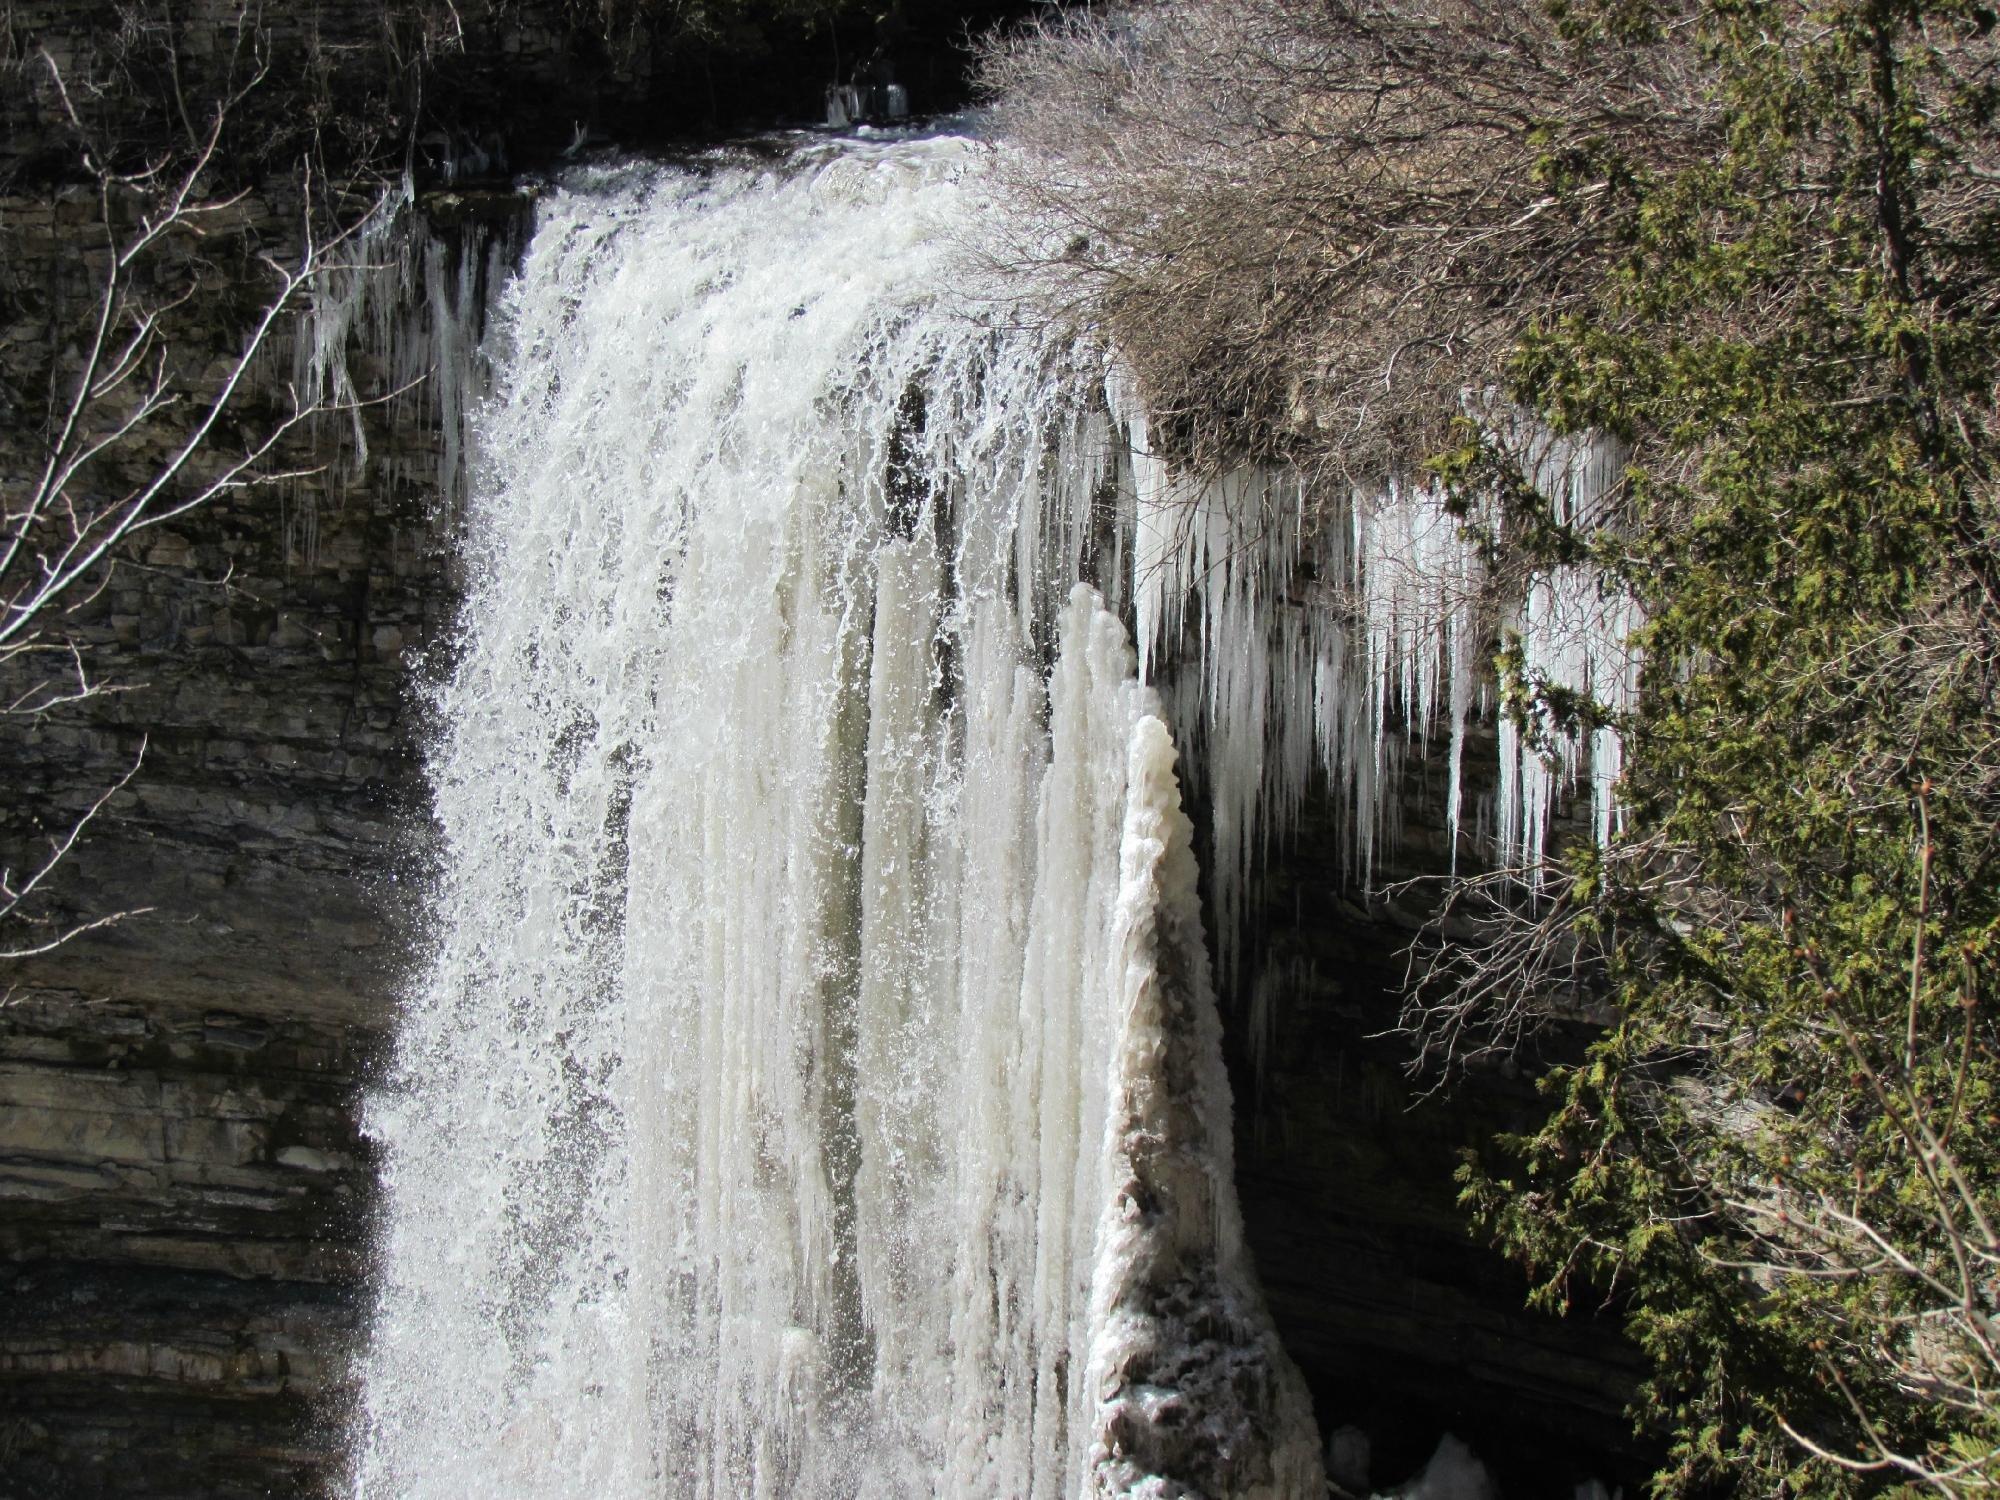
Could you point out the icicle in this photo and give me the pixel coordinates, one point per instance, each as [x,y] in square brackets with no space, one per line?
[410,302]
[1576,633]
[1381,658]
[1292,680]
[355,297]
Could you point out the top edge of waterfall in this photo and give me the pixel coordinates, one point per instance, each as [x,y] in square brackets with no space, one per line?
[786,152]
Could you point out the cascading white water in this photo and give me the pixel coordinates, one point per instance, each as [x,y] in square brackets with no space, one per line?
[815,1088]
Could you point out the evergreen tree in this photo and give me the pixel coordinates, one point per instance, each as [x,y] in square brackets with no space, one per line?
[1782,1156]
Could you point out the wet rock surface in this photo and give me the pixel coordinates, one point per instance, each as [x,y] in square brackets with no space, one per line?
[184,1187]
[183,1182]
[1405,1324]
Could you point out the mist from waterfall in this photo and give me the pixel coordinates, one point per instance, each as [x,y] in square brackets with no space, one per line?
[814,1088]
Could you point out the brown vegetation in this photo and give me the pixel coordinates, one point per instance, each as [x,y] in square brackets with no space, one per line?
[1311,230]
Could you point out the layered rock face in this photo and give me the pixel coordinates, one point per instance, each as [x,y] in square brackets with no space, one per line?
[183,1189]
[184,1184]
[181,1245]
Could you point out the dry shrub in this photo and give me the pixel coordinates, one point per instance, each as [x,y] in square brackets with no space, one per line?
[1311,229]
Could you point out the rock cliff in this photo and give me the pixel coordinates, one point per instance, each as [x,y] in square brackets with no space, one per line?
[186,1189]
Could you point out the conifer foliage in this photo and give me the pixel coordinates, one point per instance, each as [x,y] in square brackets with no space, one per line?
[1783,1154]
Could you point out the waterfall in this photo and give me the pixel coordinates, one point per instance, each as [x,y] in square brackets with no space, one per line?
[814,1088]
